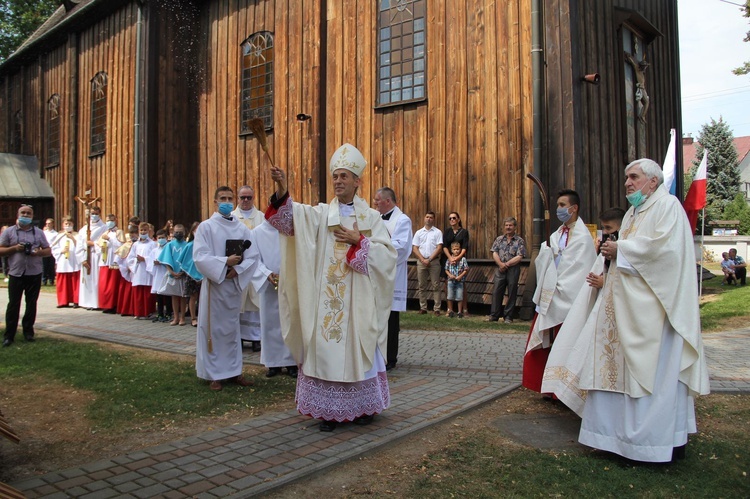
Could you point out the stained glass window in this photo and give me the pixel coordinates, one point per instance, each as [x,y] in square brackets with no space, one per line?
[256,100]
[98,114]
[402,50]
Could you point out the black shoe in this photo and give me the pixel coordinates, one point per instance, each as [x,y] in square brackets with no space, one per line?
[30,339]
[109,311]
[678,453]
[7,342]
[390,365]
[62,306]
[292,371]
[273,371]
[255,346]
[363,420]
[327,426]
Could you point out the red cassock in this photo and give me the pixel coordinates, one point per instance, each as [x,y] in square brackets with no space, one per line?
[109,287]
[67,287]
[535,361]
[143,301]
[125,298]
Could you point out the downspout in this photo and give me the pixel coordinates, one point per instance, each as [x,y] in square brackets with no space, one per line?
[538,103]
[72,159]
[677,96]
[322,108]
[138,177]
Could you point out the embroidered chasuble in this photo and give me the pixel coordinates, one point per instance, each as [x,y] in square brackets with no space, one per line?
[334,298]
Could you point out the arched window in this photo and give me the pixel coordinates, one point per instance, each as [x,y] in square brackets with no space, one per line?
[53,130]
[256,99]
[402,42]
[17,141]
[98,114]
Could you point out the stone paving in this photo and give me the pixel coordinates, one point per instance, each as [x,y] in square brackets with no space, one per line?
[440,375]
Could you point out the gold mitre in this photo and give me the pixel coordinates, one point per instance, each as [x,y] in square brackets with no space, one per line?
[349,158]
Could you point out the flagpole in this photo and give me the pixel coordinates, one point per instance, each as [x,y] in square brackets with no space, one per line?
[703,232]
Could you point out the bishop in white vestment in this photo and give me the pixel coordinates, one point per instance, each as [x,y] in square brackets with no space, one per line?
[335,291]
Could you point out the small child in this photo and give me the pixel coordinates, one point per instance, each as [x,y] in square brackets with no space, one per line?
[143,303]
[727,266]
[456,276]
[158,271]
[611,221]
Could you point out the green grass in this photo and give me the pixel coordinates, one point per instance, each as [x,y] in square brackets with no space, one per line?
[480,467]
[133,388]
[429,322]
[732,302]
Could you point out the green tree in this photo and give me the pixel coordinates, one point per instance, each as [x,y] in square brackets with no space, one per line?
[19,19]
[723,169]
[745,68]
[738,209]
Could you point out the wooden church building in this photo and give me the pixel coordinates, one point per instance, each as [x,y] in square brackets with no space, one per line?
[452,102]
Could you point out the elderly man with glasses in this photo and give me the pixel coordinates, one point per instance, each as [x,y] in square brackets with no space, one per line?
[250,316]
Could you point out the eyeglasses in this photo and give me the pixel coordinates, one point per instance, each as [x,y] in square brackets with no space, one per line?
[452,218]
[246,198]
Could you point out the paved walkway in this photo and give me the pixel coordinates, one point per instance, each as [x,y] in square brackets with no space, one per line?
[440,375]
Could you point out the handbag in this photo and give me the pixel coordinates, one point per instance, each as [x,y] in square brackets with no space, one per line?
[171,286]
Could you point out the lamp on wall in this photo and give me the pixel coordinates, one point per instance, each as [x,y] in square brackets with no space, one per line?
[592,78]
[303,117]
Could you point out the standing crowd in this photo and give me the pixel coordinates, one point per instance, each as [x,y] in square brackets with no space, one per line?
[318,291]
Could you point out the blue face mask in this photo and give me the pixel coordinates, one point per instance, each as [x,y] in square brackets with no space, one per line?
[162,241]
[637,198]
[563,214]
[95,218]
[111,225]
[24,220]
[226,208]
[143,236]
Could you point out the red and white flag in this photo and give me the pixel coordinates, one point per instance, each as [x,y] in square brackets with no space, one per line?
[695,200]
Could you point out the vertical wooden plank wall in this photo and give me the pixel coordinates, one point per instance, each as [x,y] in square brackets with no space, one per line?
[468,147]
[56,81]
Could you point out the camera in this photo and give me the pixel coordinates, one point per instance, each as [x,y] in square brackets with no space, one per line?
[27,248]
[609,237]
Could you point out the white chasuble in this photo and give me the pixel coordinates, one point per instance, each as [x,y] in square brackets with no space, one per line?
[334,309]
[218,346]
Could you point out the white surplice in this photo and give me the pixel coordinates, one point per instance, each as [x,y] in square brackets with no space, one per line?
[274,353]
[400,230]
[335,300]
[645,362]
[218,346]
[250,321]
[63,248]
[140,276]
[88,293]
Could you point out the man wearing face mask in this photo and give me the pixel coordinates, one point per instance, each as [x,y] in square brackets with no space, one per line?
[25,246]
[561,270]
[109,272]
[655,363]
[250,316]
[88,293]
[219,346]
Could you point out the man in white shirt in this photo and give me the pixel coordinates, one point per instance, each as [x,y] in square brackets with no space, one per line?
[399,227]
[250,316]
[427,247]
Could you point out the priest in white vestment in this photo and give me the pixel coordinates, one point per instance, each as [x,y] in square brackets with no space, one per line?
[399,227]
[561,269]
[251,217]
[335,292]
[275,355]
[88,291]
[646,362]
[218,353]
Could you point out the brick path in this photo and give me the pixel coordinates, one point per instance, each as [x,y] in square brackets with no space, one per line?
[440,375]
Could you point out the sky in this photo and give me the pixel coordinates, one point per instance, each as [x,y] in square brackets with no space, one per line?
[711,46]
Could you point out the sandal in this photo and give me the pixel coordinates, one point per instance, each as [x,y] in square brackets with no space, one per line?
[194,322]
